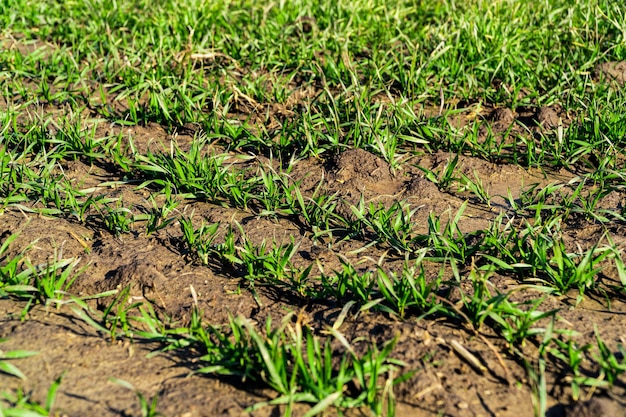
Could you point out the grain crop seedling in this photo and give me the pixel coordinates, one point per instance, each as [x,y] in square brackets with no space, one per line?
[159,217]
[21,404]
[9,368]
[147,409]
[312,207]
[199,240]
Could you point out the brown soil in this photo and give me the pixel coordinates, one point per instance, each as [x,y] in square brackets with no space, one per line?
[612,71]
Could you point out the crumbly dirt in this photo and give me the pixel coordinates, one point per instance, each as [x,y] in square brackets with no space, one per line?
[158,270]
[612,71]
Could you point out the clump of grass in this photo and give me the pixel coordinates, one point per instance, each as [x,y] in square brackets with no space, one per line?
[47,283]
[294,362]
[20,403]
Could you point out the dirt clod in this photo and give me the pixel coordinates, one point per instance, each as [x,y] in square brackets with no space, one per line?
[548,117]
[141,277]
[360,164]
[612,71]
[503,116]
[596,407]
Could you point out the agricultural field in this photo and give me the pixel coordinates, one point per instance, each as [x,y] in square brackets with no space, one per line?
[354,207]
